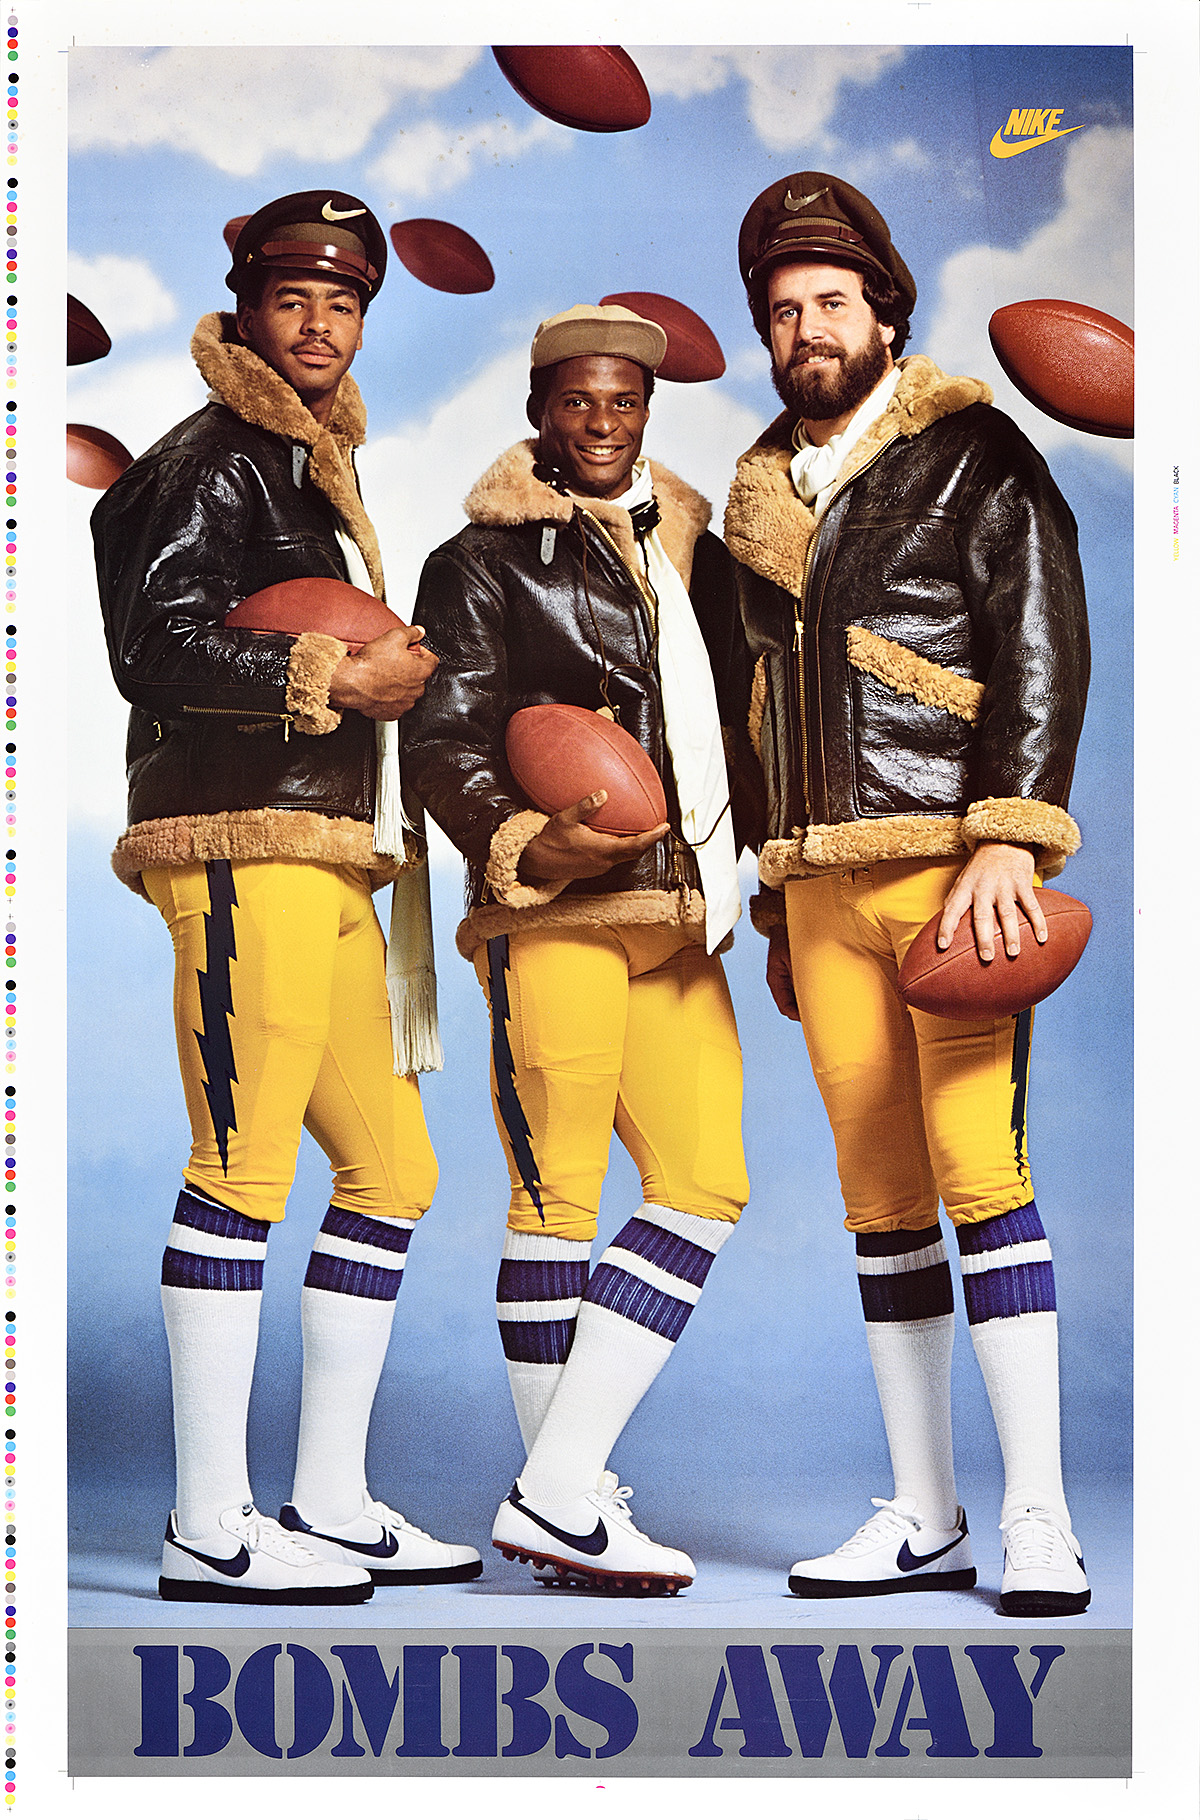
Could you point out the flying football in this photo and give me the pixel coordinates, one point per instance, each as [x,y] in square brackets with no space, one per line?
[232,229]
[315,603]
[1073,362]
[953,982]
[596,88]
[94,458]
[442,256]
[87,338]
[559,753]
[693,351]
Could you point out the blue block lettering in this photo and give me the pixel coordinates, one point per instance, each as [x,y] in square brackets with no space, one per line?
[592,1698]
[477,1732]
[160,1700]
[213,1723]
[254,1700]
[423,1701]
[1011,1704]
[369,1689]
[530,1722]
[312,1700]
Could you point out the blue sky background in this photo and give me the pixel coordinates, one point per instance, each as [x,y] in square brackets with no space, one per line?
[165,147]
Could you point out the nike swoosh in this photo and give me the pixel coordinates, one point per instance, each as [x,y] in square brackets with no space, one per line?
[383,1550]
[1006,148]
[329,213]
[595,1544]
[789,201]
[233,1565]
[906,1561]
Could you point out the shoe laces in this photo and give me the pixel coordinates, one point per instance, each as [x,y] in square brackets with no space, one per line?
[1035,1538]
[263,1535]
[392,1519]
[889,1521]
[614,1497]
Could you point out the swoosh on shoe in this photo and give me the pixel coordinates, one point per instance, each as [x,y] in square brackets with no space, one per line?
[383,1550]
[233,1566]
[907,1562]
[595,1544]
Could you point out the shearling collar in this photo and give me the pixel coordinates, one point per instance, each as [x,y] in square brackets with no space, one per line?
[769,528]
[510,494]
[256,393]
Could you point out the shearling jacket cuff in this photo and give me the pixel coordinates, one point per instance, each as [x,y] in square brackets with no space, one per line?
[315,656]
[768,911]
[1024,823]
[508,844]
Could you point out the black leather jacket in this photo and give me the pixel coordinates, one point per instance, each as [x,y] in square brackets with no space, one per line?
[545,609]
[924,647]
[208,516]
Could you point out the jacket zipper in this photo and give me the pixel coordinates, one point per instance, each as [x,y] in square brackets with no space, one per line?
[799,603]
[239,714]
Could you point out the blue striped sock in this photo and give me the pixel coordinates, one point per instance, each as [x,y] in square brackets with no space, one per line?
[211,1247]
[904,1276]
[1006,1266]
[354,1255]
[540,1286]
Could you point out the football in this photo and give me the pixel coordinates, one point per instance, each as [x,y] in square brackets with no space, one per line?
[1073,362]
[596,88]
[693,351]
[558,754]
[953,982]
[315,603]
[94,458]
[442,256]
[87,339]
[232,229]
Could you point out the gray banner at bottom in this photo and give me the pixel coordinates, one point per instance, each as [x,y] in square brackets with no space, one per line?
[554,1703]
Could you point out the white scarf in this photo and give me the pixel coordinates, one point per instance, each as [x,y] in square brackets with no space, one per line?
[815,467]
[693,728]
[411,980]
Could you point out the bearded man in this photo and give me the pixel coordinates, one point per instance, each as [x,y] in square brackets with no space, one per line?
[913,592]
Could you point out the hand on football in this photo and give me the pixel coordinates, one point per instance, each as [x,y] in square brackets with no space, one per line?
[568,848]
[996,881]
[386,677]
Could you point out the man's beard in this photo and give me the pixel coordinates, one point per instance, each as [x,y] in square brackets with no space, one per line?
[816,393]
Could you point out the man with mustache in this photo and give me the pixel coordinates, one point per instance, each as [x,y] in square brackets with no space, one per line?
[913,591]
[258,795]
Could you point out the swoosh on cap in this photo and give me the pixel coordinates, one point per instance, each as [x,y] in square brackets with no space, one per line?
[790,202]
[329,213]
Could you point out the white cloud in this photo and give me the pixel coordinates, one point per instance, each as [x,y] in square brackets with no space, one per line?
[1085,254]
[792,92]
[424,159]
[126,294]
[135,401]
[239,109]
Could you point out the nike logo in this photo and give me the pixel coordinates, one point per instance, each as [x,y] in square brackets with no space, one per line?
[595,1544]
[790,202]
[1005,148]
[329,213]
[234,1566]
[383,1550]
[906,1561]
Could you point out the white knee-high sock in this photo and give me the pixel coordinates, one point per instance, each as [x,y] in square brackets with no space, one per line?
[1008,1282]
[212,1276]
[540,1286]
[908,1301]
[638,1301]
[346,1309]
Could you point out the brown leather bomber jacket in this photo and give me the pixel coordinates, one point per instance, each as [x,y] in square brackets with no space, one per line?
[922,650]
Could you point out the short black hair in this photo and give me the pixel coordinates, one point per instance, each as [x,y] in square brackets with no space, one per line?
[541,379]
[252,282]
[878,291]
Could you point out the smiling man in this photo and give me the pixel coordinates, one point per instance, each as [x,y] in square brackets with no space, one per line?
[588,575]
[912,587]
[256,778]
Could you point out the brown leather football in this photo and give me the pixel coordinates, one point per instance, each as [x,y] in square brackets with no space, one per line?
[953,982]
[1073,362]
[94,458]
[559,753]
[315,603]
[693,351]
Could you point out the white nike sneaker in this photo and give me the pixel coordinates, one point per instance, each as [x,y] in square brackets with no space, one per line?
[1043,1567]
[590,1541]
[267,1566]
[893,1552]
[393,1550]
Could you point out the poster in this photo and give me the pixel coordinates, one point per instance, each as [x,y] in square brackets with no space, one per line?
[762,1440]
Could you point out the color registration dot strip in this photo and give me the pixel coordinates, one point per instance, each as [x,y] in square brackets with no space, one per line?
[10,936]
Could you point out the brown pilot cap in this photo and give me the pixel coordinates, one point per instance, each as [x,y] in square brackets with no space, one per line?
[312,231]
[812,215]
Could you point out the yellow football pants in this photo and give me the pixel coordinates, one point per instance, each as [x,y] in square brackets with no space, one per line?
[921,1107]
[596,1029]
[281,1019]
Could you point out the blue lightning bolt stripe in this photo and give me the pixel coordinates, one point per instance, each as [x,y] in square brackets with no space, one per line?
[216,1003]
[511,1110]
[1022,1032]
